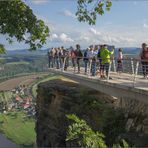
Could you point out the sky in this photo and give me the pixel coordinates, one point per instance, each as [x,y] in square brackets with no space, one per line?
[125,25]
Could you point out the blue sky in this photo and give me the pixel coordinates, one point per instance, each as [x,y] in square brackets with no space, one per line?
[126,25]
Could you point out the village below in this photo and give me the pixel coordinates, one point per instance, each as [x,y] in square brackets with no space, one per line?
[17,108]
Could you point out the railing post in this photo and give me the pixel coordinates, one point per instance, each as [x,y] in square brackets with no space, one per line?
[132,64]
[90,67]
[109,71]
[114,65]
[136,71]
[64,64]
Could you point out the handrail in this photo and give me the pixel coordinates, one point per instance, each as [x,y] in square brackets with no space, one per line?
[133,67]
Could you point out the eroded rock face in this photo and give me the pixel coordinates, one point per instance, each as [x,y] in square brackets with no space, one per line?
[136,113]
[57,98]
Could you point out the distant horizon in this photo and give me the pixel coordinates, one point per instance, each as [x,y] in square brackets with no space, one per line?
[66,48]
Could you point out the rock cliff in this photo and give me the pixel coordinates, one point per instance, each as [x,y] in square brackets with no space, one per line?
[56,98]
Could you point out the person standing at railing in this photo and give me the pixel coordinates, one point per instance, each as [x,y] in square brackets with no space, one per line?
[92,59]
[53,56]
[61,56]
[94,52]
[105,56]
[72,54]
[66,58]
[49,53]
[100,61]
[144,60]
[56,55]
[86,59]
[79,55]
[119,61]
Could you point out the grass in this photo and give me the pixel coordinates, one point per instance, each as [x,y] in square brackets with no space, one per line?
[17,129]
[17,63]
[48,78]
[6,96]
[34,87]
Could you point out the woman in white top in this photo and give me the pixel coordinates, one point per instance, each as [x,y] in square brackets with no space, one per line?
[119,61]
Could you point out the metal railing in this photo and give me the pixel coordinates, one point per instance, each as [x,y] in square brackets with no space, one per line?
[129,69]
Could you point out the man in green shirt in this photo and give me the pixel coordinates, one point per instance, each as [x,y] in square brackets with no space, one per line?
[105,56]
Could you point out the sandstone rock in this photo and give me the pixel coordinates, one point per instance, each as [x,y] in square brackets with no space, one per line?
[129,124]
[57,98]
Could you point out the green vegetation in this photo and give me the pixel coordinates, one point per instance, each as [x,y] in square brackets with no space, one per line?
[2,49]
[48,78]
[18,128]
[6,96]
[89,9]
[81,132]
[23,64]
[17,63]
[101,116]
[17,20]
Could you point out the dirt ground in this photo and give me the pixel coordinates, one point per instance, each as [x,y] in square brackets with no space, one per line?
[24,80]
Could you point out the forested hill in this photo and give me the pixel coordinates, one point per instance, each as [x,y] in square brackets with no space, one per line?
[26,52]
[126,50]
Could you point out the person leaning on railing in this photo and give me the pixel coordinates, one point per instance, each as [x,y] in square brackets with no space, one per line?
[49,53]
[119,61]
[105,56]
[79,55]
[72,54]
[144,59]
[86,59]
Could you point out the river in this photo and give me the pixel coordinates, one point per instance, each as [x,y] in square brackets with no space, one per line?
[6,143]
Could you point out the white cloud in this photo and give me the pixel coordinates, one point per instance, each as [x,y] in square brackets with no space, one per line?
[60,38]
[54,36]
[63,37]
[110,37]
[145,25]
[50,24]
[39,2]
[95,32]
[68,13]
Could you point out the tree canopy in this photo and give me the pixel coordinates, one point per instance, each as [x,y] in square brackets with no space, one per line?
[89,9]
[2,49]
[17,20]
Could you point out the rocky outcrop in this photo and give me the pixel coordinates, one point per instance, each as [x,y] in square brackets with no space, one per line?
[57,98]
[136,113]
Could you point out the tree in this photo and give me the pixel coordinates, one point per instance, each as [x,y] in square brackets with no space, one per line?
[88,10]
[82,133]
[17,20]
[2,49]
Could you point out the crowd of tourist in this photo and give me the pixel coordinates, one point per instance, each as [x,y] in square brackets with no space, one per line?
[96,57]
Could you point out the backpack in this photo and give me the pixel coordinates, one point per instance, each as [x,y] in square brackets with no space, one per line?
[85,55]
